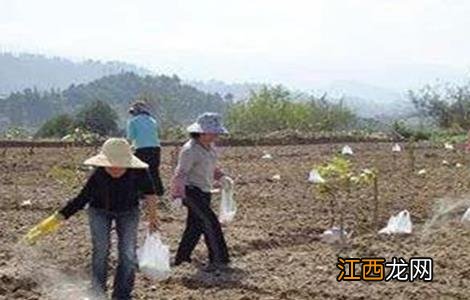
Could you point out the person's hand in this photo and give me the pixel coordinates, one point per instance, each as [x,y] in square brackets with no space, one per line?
[153,225]
[217,184]
[177,203]
[48,225]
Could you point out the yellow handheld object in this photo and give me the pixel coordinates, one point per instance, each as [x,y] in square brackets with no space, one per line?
[48,225]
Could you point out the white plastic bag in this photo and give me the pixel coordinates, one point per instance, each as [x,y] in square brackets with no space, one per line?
[333,235]
[347,150]
[228,206]
[154,257]
[315,177]
[396,148]
[449,146]
[401,223]
[266,155]
[466,216]
[422,172]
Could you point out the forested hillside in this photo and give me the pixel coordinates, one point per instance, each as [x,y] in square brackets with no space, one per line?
[173,101]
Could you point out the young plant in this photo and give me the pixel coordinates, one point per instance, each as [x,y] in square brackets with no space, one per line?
[339,178]
[68,177]
[411,154]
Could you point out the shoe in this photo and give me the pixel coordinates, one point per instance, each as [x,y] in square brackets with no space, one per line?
[178,262]
[215,268]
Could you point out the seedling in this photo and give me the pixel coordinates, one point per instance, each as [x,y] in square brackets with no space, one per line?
[411,154]
[67,177]
[338,177]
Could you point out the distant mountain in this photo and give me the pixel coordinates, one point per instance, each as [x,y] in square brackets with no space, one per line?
[18,72]
[403,77]
[240,91]
[369,101]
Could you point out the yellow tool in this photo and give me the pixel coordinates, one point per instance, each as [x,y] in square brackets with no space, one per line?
[48,225]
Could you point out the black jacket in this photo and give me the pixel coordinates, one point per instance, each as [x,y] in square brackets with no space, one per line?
[112,194]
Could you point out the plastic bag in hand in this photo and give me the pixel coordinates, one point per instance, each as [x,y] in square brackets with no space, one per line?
[228,206]
[154,257]
[401,223]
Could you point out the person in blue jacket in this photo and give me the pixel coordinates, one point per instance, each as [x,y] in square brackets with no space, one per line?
[143,132]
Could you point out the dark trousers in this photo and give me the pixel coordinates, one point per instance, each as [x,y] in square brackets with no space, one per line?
[151,155]
[201,221]
[126,228]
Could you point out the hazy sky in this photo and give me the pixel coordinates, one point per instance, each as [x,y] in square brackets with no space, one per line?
[297,42]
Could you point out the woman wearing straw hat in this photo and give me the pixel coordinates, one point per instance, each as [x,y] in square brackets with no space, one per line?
[142,131]
[192,183]
[112,193]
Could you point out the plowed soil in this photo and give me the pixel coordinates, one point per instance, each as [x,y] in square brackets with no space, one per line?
[275,242]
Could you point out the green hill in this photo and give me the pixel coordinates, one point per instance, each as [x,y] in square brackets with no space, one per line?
[173,101]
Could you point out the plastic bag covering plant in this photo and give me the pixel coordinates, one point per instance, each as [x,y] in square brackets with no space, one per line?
[396,148]
[401,223]
[449,146]
[267,156]
[347,150]
[466,216]
[315,177]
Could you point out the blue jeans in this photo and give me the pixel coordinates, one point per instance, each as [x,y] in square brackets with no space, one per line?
[126,224]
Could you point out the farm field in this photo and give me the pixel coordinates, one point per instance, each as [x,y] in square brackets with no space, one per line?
[275,242]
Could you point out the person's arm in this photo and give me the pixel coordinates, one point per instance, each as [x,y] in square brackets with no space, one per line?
[130,130]
[151,212]
[157,128]
[180,178]
[79,202]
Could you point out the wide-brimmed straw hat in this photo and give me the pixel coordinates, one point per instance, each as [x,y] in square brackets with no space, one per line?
[116,152]
[208,123]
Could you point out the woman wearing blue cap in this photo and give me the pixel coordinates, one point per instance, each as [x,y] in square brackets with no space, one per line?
[143,132]
[192,184]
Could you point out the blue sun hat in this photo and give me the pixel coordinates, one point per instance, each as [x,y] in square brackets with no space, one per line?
[208,123]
